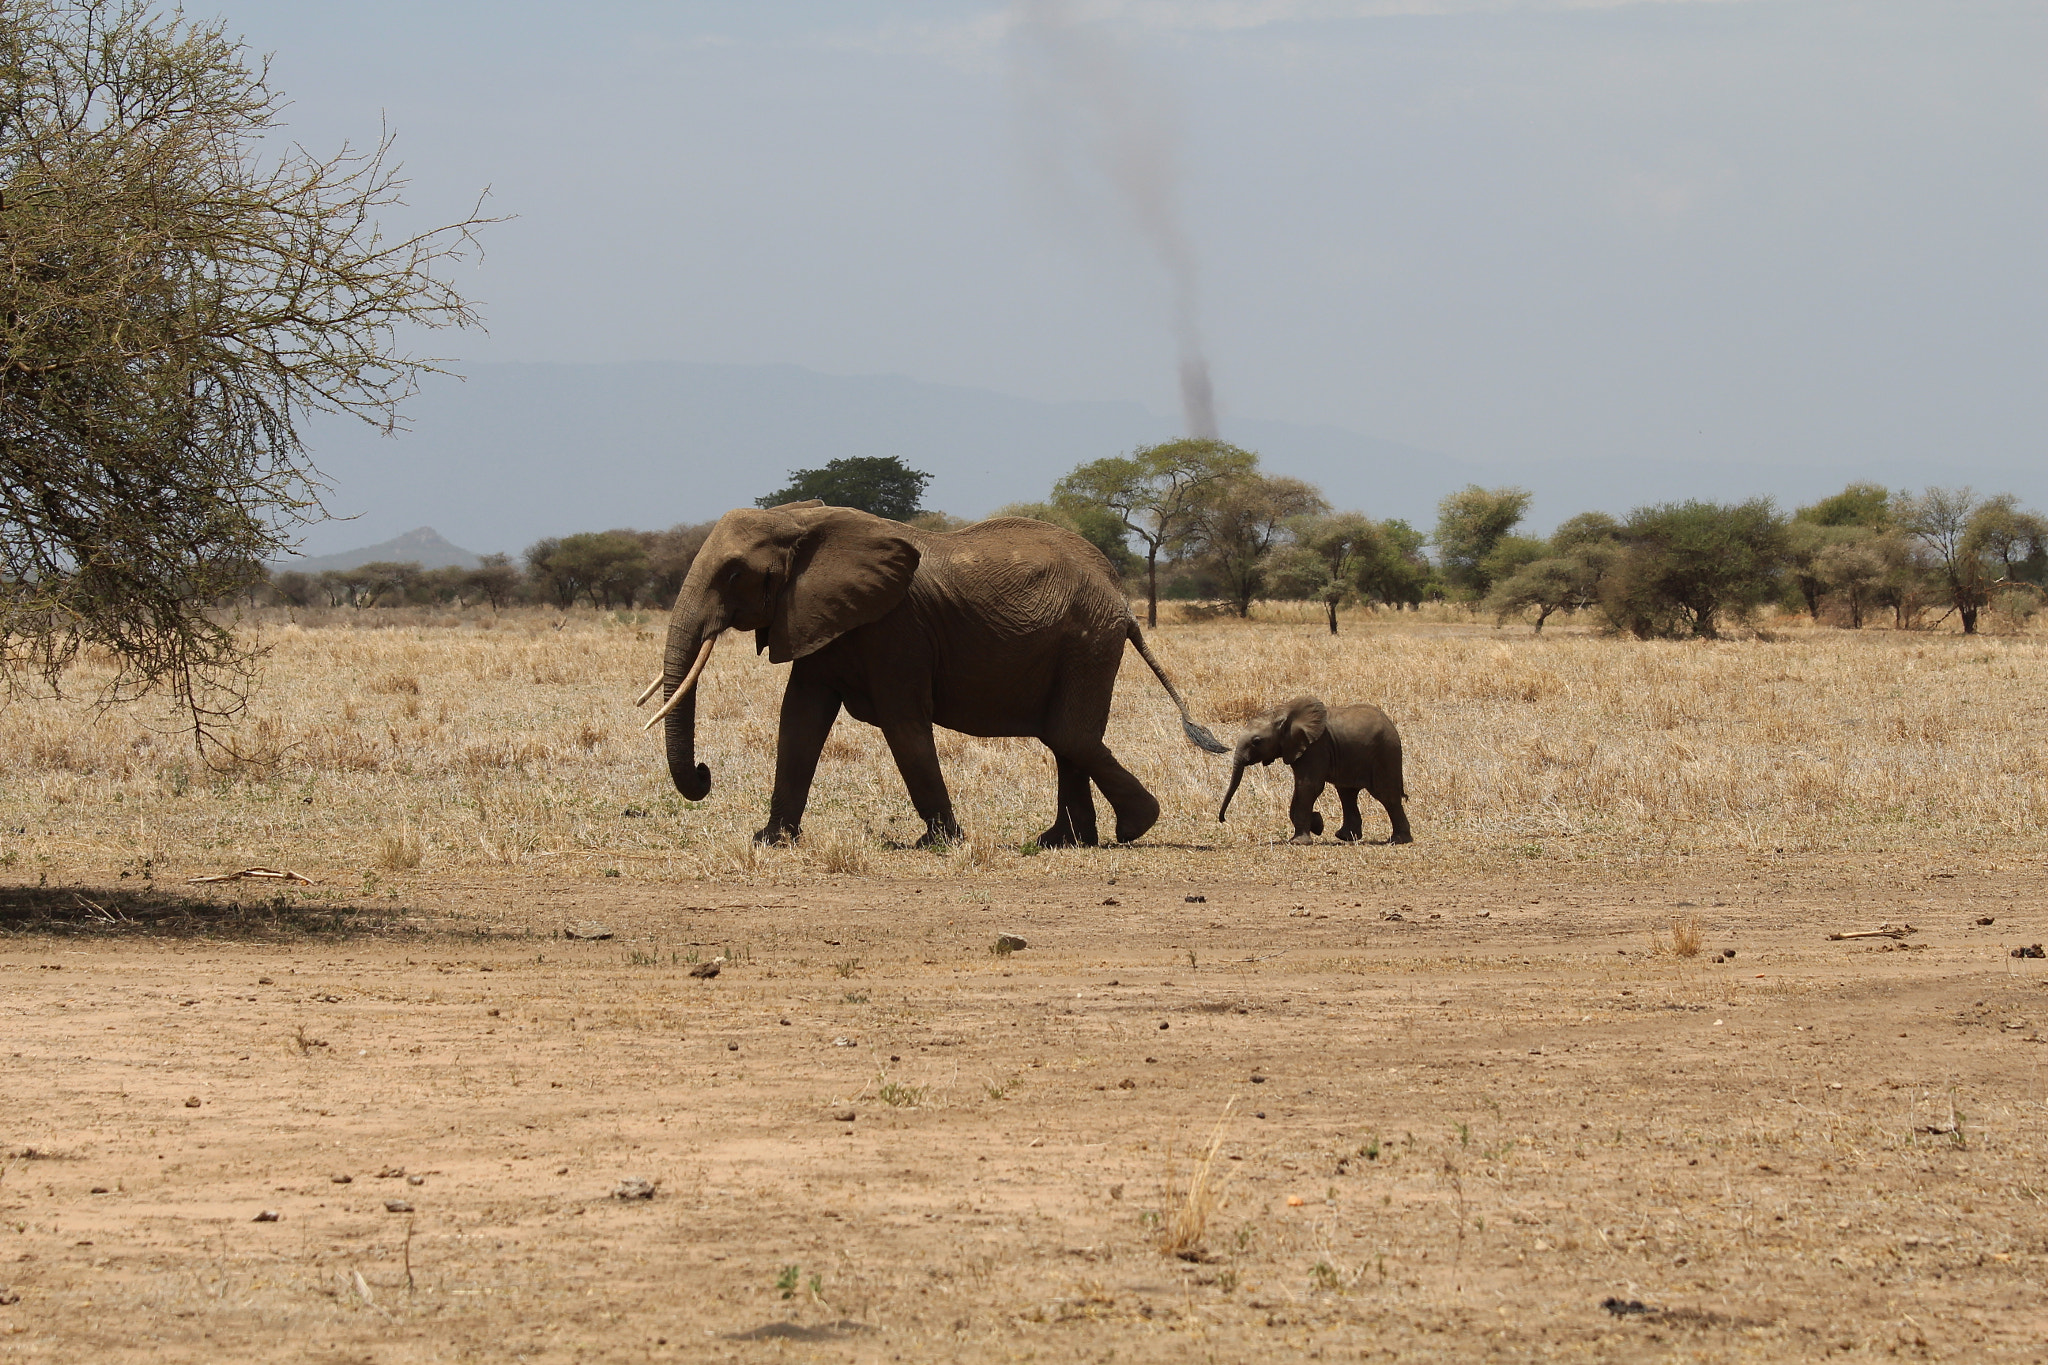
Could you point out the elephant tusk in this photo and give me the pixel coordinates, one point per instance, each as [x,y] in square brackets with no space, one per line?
[689,681]
[652,688]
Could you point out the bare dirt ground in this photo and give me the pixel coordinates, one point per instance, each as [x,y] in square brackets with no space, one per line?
[1439,1102]
[1452,1114]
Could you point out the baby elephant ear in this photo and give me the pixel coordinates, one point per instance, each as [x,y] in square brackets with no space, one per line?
[848,569]
[1306,718]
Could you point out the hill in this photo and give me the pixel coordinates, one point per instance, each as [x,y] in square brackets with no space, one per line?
[424,547]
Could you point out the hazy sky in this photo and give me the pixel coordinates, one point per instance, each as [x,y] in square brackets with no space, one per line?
[1789,230]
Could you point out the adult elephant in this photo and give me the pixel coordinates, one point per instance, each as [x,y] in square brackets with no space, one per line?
[1006,627]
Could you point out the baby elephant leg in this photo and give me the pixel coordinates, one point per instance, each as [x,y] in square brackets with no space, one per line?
[1353,828]
[1400,819]
[1308,821]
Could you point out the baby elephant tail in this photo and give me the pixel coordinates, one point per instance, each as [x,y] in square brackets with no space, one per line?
[1198,735]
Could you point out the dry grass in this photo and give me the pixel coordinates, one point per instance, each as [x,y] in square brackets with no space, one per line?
[1184,1228]
[1687,936]
[399,850]
[509,741]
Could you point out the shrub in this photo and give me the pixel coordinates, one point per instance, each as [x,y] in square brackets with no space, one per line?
[1687,568]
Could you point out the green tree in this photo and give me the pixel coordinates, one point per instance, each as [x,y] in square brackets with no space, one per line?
[1868,505]
[1401,574]
[1853,570]
[607,567]
[1686,568]
[448,584]
[1327,560]
[293,587]
[2013,543]
[551,575]
[1510,553]
[385,583]
[495,579]
[1566,575]
[179,289]
[1948,527]
[881,484]
[670,554]
[1820,540]
[1238,522]
[1470,525]
[1156,493]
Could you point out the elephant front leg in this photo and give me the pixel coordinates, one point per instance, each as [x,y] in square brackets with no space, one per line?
[1308,821]
[1074,823]
[917,758]
[808,710]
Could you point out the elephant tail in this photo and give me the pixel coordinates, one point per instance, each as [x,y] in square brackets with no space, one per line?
[1198,735]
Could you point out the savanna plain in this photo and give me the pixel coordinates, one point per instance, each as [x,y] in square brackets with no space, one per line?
[1579,1074]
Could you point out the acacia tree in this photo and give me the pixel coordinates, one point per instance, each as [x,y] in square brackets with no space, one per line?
[880,484]
[1327,560]
[1566,574]
[1684,568]
[1156,493]
[1940,520]
[1237,524]
[175,299]
[1471,524]
[494,580]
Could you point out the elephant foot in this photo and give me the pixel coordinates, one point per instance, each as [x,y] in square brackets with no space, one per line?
[1350,834]
[1402,836]
[1062,835]
[776,836]
[1132,823]
[1303,838]
[941,836]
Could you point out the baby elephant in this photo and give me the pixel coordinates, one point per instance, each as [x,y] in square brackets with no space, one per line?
[1347,747]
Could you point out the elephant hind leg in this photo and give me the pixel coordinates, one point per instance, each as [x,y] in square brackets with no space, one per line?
[1074,823]
[1353,828]
[1395,813]
[1137,810]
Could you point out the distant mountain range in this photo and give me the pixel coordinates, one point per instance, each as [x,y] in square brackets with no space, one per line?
[518,452]
[424,547]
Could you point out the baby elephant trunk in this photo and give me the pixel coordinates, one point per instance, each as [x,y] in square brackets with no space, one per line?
[1236,776]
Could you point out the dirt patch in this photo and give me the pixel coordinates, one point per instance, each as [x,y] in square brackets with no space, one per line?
[1466,1133]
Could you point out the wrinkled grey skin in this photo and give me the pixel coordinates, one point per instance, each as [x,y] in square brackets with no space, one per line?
[1006,627]
[1346,747]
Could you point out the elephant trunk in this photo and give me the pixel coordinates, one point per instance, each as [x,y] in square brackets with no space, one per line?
[692,779]
[1236,776]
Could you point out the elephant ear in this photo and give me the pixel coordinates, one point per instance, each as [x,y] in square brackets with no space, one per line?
[849,568]
[1306,718]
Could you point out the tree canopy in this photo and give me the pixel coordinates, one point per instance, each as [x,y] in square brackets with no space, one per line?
[881,484]
[176,296]
[1471,524]
[1687,568]
[1156,493]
